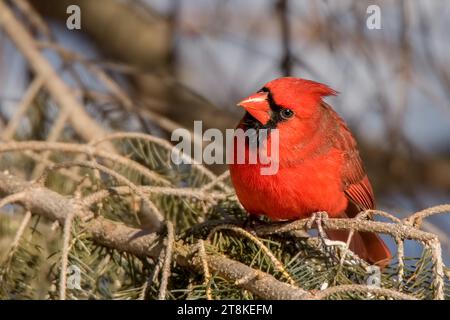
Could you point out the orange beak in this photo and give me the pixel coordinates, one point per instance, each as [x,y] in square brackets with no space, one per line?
[258,106]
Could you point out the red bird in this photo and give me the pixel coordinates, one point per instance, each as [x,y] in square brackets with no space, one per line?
[319,165]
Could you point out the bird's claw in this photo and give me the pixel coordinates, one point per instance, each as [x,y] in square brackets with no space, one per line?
[317,219]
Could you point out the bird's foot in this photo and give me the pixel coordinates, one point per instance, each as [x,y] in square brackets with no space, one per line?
[251,222]
[317,219]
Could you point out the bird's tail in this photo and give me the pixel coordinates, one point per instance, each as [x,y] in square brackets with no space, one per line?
[367,245]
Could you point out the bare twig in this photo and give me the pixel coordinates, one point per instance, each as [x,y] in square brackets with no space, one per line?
[19,234]
[15,197]
[206,273]
[83,149]
[362,289]
[35,19]
[57,128]
[213,183]
[65,255]
[416,218]
[286,63]
[82,123]
[198,194]
[166,145]
[401,261]
[167,261]
[22,108]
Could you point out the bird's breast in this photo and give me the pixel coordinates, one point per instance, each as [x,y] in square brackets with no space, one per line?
[296,190]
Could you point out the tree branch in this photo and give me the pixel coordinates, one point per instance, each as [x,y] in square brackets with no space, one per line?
[45,202]
[82,122]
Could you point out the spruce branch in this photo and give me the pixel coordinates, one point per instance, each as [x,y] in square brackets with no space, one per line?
[278,265]
[117,236]
[41,201]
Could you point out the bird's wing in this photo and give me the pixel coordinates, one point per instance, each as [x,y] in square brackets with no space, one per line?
[358,190]
[356,184]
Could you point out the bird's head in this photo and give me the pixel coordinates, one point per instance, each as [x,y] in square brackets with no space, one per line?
[285,102]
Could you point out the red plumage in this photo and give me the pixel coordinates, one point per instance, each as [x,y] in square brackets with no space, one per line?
[319,165]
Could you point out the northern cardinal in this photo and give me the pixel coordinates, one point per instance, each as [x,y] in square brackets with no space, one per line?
[319,164]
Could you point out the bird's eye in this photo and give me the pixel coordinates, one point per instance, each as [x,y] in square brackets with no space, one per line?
[286,113]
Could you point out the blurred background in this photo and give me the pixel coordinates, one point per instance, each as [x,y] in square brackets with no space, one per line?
[180,61]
